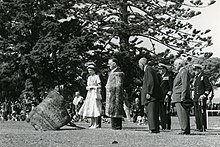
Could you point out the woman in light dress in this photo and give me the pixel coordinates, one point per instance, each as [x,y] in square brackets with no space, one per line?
[92,106]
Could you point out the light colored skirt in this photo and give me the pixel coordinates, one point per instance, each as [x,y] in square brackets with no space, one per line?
[92,107]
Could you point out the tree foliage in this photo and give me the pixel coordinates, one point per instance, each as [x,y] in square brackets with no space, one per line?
[158,21]
[43,43]
[211,67]
[38,46]
[122,26]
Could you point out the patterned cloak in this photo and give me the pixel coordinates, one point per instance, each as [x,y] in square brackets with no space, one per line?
[114,95]
[50,114]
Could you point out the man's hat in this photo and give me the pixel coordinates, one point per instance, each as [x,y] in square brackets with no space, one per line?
[161,65]
[197,66]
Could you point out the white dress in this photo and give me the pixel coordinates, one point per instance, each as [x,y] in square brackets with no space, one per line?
[92,106]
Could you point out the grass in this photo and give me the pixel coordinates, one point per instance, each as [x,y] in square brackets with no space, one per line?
[22,134]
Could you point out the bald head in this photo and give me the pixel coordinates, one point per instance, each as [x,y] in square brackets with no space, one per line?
[142,62]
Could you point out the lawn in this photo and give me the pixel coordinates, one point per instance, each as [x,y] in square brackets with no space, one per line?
[22,134]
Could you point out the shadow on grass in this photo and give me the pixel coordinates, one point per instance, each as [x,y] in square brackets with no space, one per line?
[136,128]
[206,133]
[71,126]
[66,129]
[145,128]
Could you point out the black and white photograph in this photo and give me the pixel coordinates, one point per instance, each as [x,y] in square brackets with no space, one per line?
[109,73]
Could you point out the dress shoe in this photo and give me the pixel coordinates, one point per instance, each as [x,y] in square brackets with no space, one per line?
[155,131]
[199,130]
[183,133]
[116,128]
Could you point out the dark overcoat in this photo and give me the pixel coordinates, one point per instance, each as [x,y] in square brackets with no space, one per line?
[151,86]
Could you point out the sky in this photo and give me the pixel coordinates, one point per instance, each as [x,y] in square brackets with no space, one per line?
[210,19]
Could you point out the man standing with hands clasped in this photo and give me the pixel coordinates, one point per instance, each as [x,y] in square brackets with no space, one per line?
[202,88]
[151,95]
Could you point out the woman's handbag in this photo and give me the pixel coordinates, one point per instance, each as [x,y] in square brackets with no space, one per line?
[98,93]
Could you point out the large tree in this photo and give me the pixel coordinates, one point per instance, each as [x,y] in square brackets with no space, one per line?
[47,42]
[134,28]
[157,21]
[40,47]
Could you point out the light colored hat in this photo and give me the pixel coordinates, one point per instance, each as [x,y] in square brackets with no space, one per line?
[91,66]
[143,61]
[197,66]
[163,65]
[90,63]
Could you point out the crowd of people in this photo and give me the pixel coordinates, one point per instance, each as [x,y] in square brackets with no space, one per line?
[17,110]
[153,101]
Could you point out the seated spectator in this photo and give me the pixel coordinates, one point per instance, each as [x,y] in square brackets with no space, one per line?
[137,111]
[126,106]
[78,102]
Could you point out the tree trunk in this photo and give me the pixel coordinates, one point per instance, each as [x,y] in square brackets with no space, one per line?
[124,32]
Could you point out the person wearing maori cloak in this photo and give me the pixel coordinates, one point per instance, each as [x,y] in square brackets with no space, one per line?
[50,114]
[115,95]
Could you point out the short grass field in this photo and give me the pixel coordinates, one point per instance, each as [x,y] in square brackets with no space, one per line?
[22,134]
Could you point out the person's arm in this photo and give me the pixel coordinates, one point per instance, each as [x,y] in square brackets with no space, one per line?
[208,86]
[149,82]
[185,79]
[170,82]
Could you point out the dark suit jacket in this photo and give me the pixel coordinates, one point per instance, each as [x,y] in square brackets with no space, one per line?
[166,83]
[201,85]
[151,86]
[181,86]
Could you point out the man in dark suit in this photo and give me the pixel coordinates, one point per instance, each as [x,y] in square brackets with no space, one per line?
[151,95]
[165,104]
[115,95]
[181,92]
[202,88]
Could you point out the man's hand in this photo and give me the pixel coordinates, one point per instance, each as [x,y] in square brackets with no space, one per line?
[209,103]
[202,97]
[147,96]
[166,98]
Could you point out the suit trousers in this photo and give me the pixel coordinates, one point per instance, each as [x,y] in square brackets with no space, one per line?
[200,115]
[183,116]
[116,123]
[162,113]
[168,114]
[153,115]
